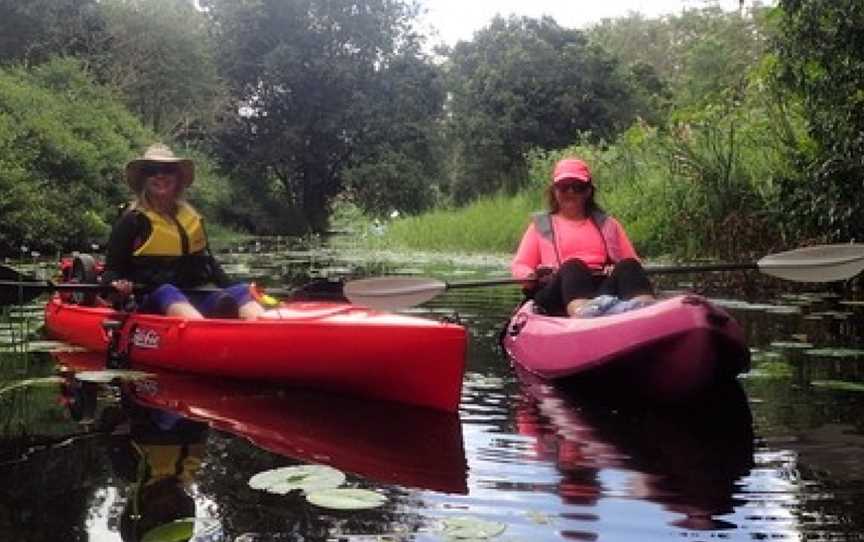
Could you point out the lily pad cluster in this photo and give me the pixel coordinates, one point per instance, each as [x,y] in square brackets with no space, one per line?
[110,375]
[320,484]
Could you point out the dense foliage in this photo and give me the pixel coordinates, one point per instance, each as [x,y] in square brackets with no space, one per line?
[322,92]
[60,163]
[711,132]
[522,84]
[821,53]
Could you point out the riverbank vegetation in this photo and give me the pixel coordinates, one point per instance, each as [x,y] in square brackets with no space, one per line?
[711,133]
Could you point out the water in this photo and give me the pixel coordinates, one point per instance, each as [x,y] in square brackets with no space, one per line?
[775,457]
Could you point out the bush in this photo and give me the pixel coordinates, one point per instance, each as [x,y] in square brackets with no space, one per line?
[63,143]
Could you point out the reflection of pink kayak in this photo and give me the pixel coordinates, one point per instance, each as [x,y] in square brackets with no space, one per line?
[324,346]
[666,351]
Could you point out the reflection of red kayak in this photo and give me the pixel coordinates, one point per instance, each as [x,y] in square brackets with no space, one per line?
[670,350]
[404,445]
[325,346]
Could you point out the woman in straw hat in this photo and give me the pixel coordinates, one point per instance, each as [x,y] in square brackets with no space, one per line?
[160,241]
[575,252]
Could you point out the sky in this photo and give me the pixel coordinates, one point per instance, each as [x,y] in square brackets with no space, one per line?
[458,19]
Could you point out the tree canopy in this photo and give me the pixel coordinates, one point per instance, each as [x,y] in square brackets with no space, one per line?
[319,91]
[294,106]
[526,83]
[821,51]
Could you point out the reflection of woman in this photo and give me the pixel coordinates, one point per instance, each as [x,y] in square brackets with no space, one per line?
[159,456]
[686,459]
[160,241]
[576,252]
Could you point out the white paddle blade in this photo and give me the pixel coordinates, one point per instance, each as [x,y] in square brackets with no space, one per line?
[392,293]
[819,263]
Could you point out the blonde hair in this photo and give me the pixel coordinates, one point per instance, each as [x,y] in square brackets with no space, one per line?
[142,201]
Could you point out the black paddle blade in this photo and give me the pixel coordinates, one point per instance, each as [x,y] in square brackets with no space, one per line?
[11,294]
[319,290]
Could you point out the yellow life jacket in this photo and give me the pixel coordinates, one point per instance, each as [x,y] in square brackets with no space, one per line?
[178,237]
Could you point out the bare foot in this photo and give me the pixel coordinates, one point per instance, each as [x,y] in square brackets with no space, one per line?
[574,306]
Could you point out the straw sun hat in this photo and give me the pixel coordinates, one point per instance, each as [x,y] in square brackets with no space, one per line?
[158,154]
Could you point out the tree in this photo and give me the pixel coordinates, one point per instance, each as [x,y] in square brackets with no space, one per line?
[399,166]
[60,170]
[33,31]
[821,51]
[160,58]
[702,54]
[525,83]
[321,91]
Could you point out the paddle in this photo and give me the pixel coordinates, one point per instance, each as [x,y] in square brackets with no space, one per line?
[820,263]
[16,288]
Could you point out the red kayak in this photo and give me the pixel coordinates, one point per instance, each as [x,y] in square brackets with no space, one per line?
[319,345]
[393,444]
[669,350]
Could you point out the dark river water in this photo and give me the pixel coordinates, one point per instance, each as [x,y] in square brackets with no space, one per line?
[776,457]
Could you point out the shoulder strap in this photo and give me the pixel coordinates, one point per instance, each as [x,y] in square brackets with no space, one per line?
[599,219]
[543,225]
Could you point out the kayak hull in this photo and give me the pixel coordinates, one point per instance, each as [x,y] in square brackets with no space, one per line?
[670,350]
[335,347]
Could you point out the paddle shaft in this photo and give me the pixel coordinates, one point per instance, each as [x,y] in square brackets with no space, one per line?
[700,268]
[651,270]
[47,286]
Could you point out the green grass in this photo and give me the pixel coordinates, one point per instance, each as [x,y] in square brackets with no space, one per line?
[494,224]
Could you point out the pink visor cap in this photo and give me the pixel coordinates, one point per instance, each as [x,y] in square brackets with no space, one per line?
[571,168]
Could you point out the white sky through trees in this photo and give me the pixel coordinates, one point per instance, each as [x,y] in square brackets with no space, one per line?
[456,20]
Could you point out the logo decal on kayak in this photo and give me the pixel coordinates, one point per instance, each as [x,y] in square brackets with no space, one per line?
[145,338]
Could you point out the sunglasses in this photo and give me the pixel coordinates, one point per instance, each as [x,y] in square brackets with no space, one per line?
[577,187]
[152,170]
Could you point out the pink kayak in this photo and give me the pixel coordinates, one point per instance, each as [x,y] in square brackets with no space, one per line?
[666,351]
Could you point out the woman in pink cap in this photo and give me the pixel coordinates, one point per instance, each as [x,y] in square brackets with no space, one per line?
[576,253]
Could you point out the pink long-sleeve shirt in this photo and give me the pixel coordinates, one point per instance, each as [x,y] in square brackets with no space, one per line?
[580,239]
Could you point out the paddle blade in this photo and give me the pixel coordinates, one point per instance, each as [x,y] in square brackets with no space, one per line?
[393,293]
[819,263]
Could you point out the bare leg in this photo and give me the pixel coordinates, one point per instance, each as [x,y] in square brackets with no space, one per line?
[251,310]
[183,310]
[645,298]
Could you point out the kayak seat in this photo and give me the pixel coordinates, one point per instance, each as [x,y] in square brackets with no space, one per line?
[83,272]
[224,307]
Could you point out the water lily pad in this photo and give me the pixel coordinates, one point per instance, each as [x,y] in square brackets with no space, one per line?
[109,375]
[791,345]
[32,382]
[836,352]
[784,310]
[52,346]
[764,355]
[306,478]
[539,517]
[175,531]
[461,528]
[346,499]
[771,369]
[839,385]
